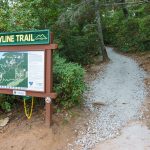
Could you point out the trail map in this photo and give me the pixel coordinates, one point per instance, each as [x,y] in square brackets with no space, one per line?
[22,70]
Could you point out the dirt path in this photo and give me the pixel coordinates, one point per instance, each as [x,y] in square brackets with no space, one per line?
[121,90]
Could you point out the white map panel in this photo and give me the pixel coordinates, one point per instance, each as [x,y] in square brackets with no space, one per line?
[22,70]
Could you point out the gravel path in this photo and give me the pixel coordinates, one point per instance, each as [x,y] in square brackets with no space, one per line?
[121,89]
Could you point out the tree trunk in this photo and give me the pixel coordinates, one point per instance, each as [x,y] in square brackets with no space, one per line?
[100,33]
[124,9]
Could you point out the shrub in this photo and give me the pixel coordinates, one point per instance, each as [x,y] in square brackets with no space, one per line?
[6,102]
[80,49]
[68,82]
[144,24]
[128,34]
[78,44]
[129,39]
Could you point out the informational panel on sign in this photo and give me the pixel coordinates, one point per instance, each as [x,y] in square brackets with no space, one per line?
[22,70]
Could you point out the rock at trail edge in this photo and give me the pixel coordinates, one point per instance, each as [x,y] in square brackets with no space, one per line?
[3,122]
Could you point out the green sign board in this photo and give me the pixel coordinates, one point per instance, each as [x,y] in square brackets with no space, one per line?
[25,38]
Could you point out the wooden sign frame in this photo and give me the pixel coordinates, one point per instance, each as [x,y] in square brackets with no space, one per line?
[48,94]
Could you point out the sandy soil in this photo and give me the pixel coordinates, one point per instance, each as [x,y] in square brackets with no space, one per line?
[23,134]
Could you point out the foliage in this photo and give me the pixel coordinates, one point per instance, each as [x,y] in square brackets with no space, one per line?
[69,84]
[6,102]
[144,31]
[77,34]
[6,106]
[78,48]
[129,34]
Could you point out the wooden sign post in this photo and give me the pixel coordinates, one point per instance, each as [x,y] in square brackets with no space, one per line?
[26,62]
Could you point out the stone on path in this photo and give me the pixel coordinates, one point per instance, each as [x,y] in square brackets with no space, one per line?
[98,103]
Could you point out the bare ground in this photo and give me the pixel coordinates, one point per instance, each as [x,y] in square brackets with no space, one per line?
[23,134]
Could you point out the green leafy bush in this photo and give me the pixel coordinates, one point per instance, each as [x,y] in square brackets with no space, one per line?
[6,102]
[128,34]
[68,82]
[144,31]
[6,106]
[78,44]
[128,38]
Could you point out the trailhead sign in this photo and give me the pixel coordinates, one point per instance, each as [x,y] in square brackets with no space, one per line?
[22,70]
[25,38]
[26,66]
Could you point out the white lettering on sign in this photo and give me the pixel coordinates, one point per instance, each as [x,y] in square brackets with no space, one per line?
[19,38]
[7,38]
[24,38]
